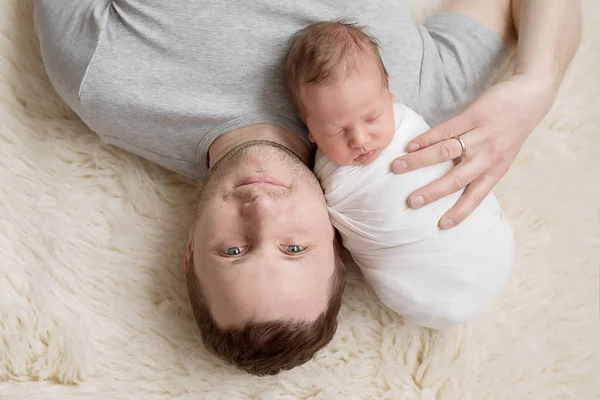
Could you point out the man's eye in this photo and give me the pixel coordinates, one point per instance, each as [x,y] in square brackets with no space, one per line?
[234,251]
[294,249]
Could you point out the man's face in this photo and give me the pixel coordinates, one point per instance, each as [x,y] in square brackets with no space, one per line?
[352,121]
[263,243]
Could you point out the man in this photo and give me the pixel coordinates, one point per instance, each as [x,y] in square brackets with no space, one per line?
[198,88]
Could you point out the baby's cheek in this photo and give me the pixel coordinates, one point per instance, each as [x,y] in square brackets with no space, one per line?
[341,154]
[335,149]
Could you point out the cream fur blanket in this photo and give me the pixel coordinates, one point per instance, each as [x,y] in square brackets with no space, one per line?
[92,296]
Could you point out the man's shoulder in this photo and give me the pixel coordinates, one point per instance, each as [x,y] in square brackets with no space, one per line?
[69,32]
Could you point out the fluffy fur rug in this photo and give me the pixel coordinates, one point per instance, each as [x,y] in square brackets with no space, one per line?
[92,296]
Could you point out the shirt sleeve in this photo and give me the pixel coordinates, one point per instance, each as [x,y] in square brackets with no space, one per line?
[69,32]
[461,59]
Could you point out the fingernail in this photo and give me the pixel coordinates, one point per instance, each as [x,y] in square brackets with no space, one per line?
[417,201]
[413,147]
[399,166]
[447,223]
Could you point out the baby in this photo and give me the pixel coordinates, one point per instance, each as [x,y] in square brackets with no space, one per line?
[336,78]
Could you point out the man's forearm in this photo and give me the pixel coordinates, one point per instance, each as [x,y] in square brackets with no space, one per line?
[548,32]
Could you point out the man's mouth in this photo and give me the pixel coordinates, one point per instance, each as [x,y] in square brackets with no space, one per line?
[260,180]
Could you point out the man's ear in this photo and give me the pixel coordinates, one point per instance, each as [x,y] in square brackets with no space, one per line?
[339,254]
[188,255]
[393,96]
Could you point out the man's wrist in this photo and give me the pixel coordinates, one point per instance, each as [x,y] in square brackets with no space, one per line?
[540,84]
[540,91]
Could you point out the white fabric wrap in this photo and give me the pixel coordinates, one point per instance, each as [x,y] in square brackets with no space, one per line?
[431,277]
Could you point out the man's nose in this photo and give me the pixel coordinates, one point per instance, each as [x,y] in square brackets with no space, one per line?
[260,208]
[359,137]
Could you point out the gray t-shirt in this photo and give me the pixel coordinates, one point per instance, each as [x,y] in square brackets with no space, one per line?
[163,79]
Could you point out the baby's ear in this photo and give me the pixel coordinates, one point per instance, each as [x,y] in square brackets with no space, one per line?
[311,137]
[393,96]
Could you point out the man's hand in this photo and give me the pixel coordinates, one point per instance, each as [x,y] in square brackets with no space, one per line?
[493,130]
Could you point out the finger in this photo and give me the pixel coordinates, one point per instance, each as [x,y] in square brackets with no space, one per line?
[438,153]
[454,127]
[469,201]
[456,179]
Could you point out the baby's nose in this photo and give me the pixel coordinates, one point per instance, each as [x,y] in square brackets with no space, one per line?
[359,138]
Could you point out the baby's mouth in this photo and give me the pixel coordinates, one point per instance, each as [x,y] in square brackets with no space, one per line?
[365,156]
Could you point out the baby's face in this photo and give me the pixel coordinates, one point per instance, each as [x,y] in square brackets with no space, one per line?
[353,121]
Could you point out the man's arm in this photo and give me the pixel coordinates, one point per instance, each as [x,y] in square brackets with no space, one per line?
[548,32]
[496,125]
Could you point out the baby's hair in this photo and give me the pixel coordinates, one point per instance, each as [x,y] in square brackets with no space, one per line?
[324,53]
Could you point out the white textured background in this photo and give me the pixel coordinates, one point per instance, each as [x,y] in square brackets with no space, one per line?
[92,296]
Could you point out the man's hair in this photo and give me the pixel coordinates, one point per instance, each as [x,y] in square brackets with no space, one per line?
[325,52]
[266,348]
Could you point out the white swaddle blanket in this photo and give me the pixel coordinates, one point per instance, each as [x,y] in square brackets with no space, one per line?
[431,277]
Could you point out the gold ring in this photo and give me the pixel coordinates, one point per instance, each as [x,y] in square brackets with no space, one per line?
[462,146]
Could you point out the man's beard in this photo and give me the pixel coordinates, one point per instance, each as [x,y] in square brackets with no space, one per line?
[265,149]
[261,149]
